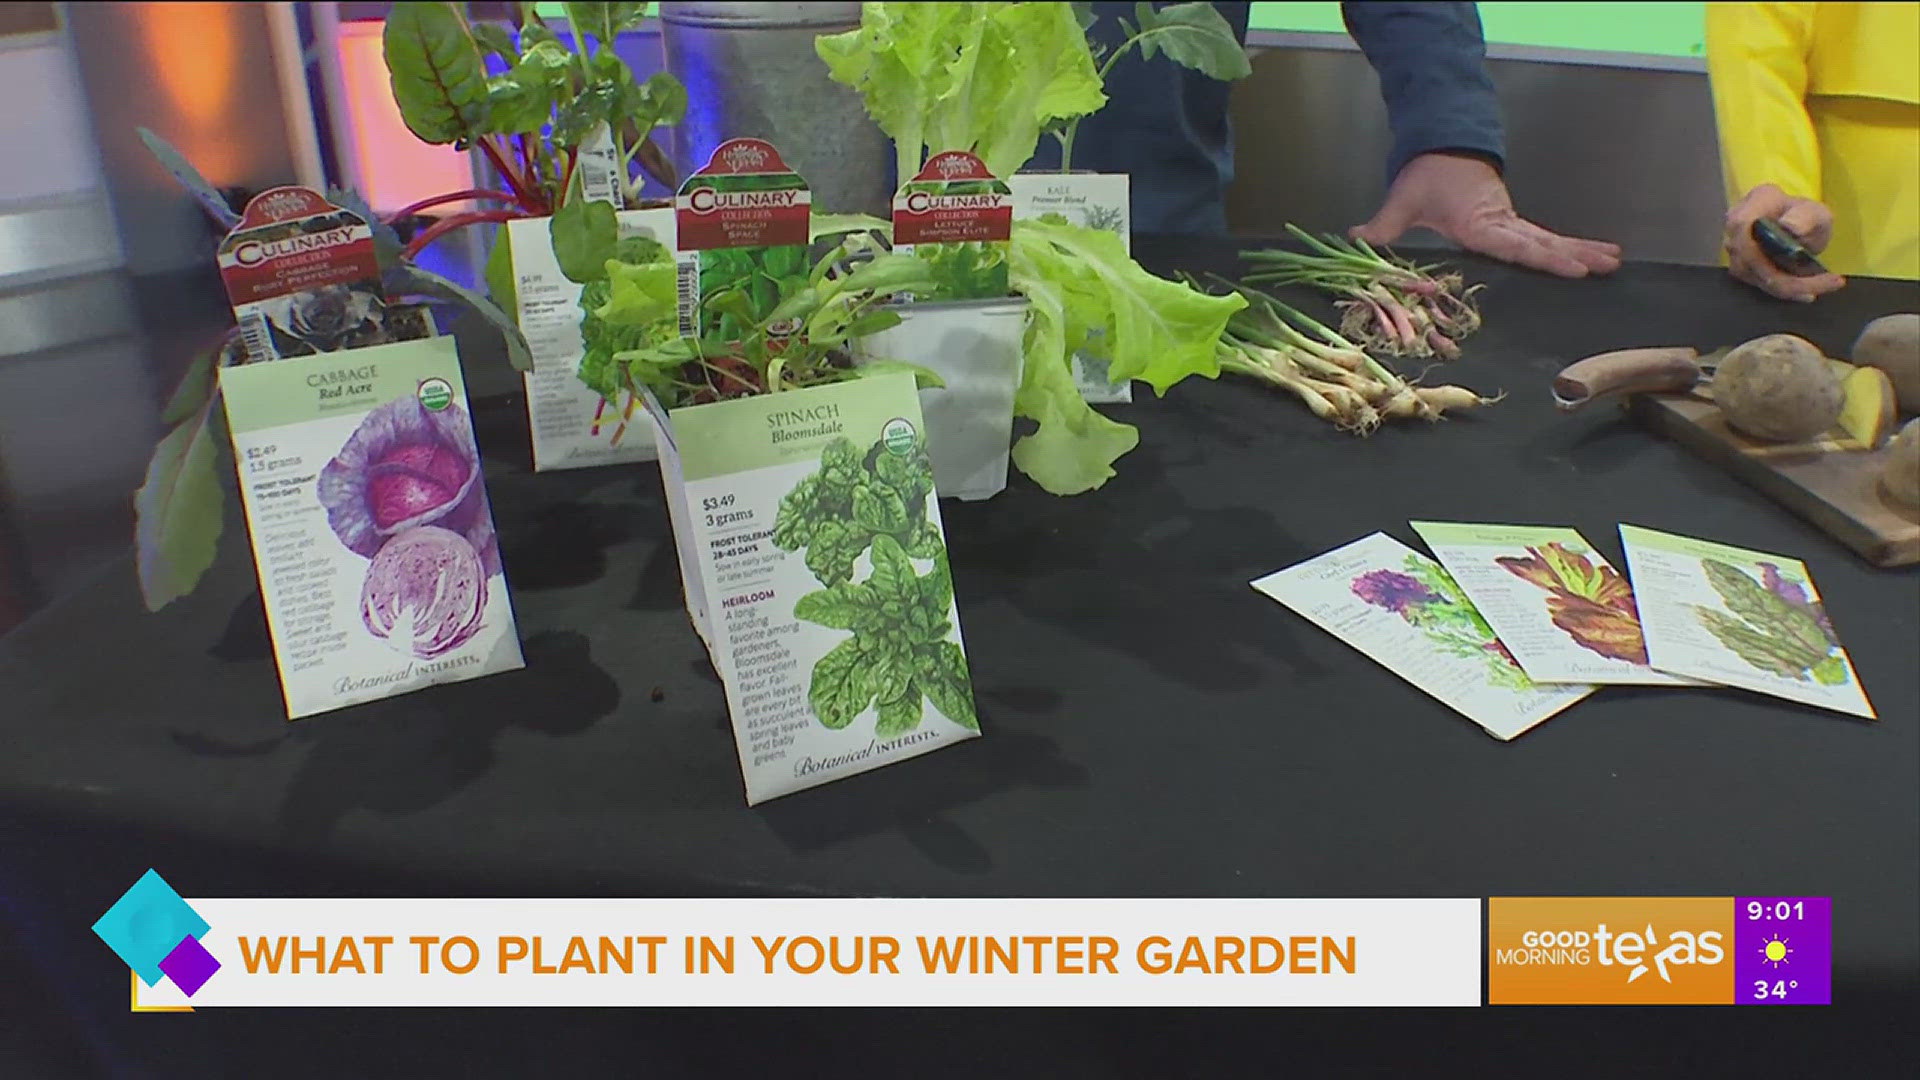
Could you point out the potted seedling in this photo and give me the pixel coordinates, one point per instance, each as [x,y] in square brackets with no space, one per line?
[543,124]
[967,327]
[564,127]
[798,481]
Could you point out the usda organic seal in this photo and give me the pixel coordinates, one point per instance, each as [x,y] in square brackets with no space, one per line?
[436,394]
[898,437]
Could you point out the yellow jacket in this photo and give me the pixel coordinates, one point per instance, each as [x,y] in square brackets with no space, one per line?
[1823,100]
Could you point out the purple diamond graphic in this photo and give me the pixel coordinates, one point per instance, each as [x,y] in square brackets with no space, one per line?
[190,965]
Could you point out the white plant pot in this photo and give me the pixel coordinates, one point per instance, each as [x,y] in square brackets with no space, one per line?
[975,347]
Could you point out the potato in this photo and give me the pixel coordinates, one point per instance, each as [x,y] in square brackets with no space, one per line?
[1867,412]
[1892,344]
[1900,476]
[1778,388]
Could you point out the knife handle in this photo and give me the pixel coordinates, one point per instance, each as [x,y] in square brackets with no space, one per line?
[1626,371]
[1783,249]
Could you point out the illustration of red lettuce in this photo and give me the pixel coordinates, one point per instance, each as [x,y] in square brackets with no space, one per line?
[425,592]
[1593,605]
[407,466]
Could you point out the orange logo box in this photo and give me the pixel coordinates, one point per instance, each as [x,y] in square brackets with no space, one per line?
[1602,950]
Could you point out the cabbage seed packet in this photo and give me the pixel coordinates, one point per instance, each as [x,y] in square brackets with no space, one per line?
[815,568]
[378,563]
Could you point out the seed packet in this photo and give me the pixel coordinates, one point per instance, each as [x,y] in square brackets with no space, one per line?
[572,426]
[815,568]
[367,512]
[1094,201]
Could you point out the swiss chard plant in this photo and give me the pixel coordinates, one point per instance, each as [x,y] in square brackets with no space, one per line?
[804,339]
[534,123]
[555,116]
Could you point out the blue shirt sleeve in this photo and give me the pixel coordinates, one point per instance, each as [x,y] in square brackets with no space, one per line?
[1431,60]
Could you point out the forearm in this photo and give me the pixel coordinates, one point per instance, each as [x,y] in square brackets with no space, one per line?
[1431,61]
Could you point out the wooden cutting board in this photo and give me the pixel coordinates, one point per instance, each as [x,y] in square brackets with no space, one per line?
[1832,482]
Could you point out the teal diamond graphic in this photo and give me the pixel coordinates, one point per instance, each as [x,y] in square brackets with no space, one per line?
[148,923]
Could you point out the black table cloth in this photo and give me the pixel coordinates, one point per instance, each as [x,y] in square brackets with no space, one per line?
[1153,726]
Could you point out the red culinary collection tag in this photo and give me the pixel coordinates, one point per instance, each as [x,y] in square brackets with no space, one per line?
[954,199]
[301,273]
[745,196]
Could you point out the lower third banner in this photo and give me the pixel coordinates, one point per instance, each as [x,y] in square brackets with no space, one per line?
[190,954]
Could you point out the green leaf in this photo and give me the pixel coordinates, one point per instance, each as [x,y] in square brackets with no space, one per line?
[433,64]
[893,576]
[1193,35]
[878,509]
[405,278]
[943,678]
[1077,281]
[661,101]
[179,510]
[580,116]
[1754,647]
[189,177]
[516,107]
[495,39]
[585,235]
[823,226]
[839,608]
[1797,634]
[502,287]
[886,675]
[900,715]
[386,242]
[833,549]
[924,542]
[640,295]
[936,589]
[1831,672]
[839,691]
[196,385]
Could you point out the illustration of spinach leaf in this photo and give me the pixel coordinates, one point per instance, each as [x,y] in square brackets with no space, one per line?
[900,653]
[836,513]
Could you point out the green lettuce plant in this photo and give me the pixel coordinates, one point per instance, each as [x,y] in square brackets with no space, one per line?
[994,77]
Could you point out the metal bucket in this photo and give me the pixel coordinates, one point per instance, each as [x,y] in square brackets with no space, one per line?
[751,72]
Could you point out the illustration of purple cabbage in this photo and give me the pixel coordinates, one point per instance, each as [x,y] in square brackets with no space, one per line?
[407,466]
[1393,591]
[425,592]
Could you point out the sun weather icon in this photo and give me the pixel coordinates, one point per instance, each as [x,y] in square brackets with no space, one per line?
[1774,951]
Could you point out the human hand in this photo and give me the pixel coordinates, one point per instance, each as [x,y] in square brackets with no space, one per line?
[1806,219]
[1463,199]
